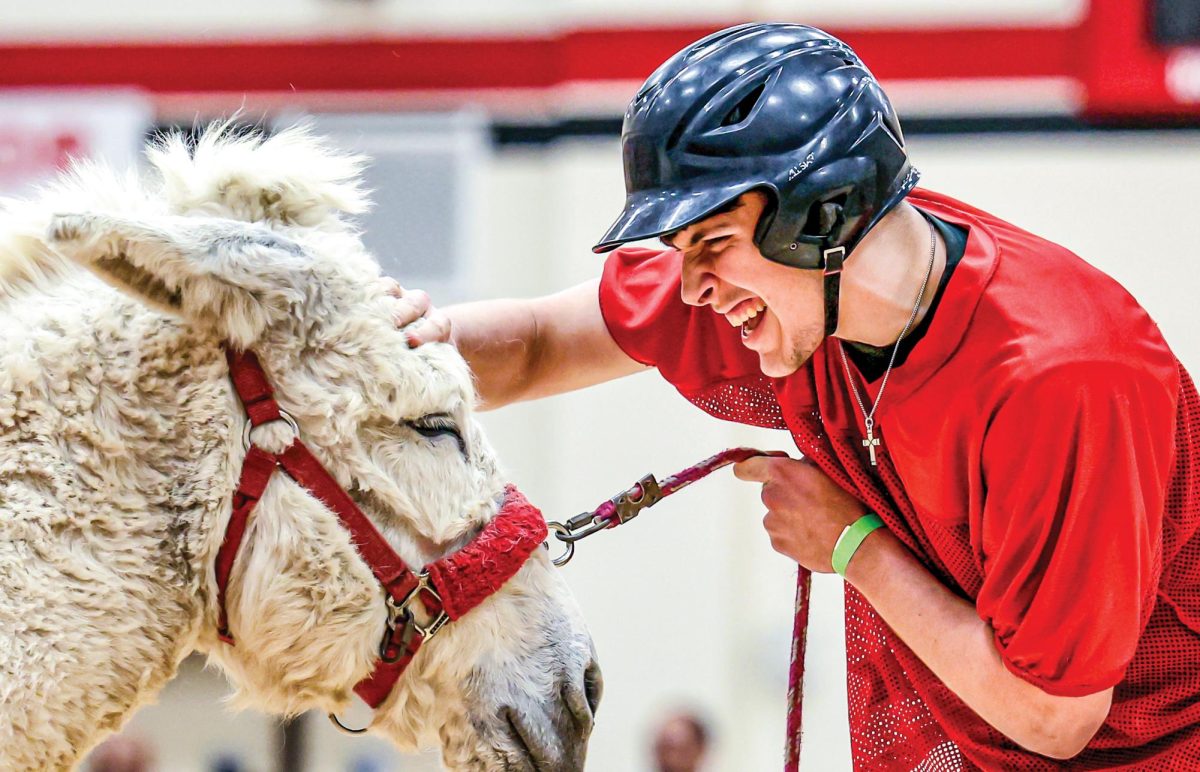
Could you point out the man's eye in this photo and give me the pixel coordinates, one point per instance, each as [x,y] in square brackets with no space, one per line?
[718,241]
[438,425]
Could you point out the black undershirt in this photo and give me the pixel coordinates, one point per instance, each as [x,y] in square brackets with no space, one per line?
[871,361]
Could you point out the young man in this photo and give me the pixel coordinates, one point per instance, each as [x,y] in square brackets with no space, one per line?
[1009,484]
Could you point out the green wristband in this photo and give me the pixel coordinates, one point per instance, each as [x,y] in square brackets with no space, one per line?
[851,539]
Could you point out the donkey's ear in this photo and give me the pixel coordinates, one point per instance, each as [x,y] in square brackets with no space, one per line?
[231,277]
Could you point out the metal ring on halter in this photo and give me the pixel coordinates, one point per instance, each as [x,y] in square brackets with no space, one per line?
[282,416]
[348,730]
[561,530]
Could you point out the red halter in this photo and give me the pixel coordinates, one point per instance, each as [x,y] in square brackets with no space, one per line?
[448,588]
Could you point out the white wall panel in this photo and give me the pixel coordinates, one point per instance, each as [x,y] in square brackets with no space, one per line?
[41,131]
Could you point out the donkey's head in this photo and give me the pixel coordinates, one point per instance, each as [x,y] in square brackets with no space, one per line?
[244,240]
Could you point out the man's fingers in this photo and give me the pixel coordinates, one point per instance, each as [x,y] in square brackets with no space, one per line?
[418,299]
[413,313]
[757,469]
[441,327]
[392,287]
[430,329]
[410,307]
[761,468]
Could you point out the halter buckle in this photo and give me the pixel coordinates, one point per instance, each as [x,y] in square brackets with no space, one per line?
[402,612]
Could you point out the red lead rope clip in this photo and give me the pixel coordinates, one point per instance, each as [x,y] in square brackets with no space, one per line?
[646,492]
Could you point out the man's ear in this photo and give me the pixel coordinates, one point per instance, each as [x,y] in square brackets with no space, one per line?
[231,277]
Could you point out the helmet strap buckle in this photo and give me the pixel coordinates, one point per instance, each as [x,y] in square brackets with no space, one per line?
[833,259]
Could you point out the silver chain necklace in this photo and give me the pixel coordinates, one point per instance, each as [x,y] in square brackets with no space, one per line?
[872,442]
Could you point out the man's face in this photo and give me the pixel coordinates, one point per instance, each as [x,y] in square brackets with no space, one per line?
[779,310]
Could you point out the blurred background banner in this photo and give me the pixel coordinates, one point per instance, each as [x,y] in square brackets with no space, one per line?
[41,130]
[493,127]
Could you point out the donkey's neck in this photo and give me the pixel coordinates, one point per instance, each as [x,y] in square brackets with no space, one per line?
[117,457]
[143,414]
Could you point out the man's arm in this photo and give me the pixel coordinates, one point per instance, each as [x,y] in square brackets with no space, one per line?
[525,349]
[806,512]
[945,632]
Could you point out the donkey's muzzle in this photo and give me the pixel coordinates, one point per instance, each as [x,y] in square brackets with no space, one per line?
[556,740]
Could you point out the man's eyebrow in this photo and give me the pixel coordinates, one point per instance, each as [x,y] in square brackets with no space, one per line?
[737,203]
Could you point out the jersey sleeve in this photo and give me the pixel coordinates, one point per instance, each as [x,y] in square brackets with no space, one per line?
[1075,467]
[694,348]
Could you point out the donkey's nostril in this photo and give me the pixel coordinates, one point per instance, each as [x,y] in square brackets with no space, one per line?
[593,685]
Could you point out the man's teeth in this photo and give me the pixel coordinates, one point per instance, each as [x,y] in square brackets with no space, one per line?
[737,320]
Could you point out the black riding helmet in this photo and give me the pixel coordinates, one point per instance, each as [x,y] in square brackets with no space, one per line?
[784,108]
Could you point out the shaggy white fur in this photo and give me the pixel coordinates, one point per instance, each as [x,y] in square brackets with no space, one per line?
[120,445]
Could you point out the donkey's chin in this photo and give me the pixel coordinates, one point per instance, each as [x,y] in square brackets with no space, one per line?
[532,735]
[551,738]
[536,736]
[541,722]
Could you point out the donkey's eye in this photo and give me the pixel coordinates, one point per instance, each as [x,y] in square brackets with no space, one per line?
[437,425]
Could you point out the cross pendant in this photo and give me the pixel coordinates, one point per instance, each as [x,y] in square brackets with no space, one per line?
[870,443]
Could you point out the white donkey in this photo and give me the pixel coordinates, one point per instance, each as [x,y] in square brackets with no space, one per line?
[121,445]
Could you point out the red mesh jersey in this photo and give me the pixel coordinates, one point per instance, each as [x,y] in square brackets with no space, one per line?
[1041,457]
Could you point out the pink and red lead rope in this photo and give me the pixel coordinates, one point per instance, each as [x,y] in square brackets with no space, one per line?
[608,510]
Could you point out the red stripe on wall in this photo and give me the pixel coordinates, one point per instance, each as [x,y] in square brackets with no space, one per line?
[282,66]
[1108,53]
[519,62]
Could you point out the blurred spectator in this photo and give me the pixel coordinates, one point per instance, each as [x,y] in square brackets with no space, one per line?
[680,743]
[122,754]
[226,764]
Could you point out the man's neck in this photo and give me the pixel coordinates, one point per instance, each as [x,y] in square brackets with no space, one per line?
[883,275]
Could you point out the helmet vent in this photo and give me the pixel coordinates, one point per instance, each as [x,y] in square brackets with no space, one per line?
[742,109]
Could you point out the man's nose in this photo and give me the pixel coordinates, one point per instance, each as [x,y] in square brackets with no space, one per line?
[698,286]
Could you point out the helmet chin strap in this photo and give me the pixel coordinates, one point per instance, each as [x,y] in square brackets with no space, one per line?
[811,250]
[833,259]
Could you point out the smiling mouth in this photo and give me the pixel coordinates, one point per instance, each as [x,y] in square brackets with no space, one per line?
[749,326]
[747,315]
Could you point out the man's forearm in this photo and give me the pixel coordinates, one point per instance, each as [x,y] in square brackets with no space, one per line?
[498,338]
[525,349]
[945,632]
